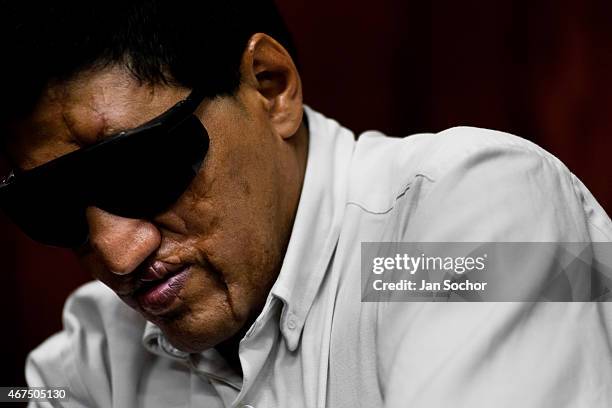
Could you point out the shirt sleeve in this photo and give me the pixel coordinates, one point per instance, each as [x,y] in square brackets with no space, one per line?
[77,357]
[488,187]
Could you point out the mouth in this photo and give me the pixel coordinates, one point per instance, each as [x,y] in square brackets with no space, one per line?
[157,296]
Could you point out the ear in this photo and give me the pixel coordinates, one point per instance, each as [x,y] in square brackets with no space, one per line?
[268,68]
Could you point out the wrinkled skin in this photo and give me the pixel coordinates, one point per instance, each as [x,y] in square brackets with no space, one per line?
[233,223]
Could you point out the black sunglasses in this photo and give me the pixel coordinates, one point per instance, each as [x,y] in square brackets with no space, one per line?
[135,174]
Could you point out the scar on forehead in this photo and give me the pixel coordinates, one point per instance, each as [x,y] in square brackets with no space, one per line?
[85,124]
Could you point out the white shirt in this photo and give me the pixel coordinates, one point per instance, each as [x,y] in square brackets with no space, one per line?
[316,344]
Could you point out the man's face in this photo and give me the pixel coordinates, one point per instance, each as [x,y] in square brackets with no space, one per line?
[202,268]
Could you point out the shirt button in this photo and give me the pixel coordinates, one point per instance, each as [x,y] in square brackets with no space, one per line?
[291,324]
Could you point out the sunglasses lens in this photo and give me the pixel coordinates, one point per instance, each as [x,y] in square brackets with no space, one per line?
[45,217]
[151,172]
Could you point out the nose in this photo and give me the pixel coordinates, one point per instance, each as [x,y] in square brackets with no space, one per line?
[121,244]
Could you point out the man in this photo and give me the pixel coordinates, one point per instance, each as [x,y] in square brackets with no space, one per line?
[169,146]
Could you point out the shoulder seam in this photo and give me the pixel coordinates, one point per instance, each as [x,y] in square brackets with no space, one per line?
[400,195]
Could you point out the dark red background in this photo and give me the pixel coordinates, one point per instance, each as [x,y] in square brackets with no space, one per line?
[537,69]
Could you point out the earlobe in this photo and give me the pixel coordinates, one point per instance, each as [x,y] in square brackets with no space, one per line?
[269,69]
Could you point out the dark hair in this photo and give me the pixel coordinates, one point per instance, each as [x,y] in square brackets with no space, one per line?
[181,42]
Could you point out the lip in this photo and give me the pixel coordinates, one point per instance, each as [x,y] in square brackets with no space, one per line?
[159,297]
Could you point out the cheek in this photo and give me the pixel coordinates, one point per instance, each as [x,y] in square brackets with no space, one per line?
[247,258]
[231,213]
[236,248]
[235,194]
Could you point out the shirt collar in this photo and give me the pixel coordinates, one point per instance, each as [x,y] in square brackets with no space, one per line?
[154,341]
[317,223]
[314,235]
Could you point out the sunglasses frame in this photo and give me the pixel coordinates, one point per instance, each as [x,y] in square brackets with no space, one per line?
[179,112]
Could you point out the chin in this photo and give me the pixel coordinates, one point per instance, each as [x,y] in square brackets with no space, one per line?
[193,334]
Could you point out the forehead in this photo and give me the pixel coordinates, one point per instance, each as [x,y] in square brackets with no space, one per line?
[84,110]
